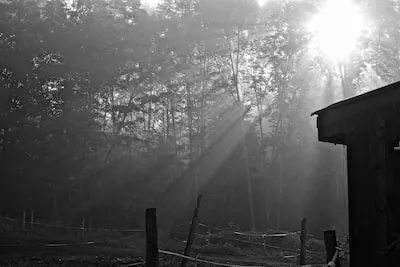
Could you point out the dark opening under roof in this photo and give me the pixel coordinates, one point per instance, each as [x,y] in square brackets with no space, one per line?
[332,120]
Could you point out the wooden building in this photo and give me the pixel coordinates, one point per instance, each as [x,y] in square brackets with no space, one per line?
[369,125]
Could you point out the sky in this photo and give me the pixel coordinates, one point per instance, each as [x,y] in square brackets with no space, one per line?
[150,2]
[154,2]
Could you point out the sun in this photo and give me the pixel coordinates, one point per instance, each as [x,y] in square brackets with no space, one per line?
[151,3]
[261,2]
[336,28]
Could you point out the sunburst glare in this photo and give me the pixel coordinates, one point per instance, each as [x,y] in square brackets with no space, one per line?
[336,28]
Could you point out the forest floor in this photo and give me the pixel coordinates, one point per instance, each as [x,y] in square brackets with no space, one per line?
[112,248]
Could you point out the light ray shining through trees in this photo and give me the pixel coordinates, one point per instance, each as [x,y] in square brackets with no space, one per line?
[336,28]
[160,90]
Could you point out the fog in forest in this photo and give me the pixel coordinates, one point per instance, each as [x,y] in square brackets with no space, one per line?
[111,107]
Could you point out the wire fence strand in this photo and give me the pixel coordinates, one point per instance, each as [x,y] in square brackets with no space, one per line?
[208,235]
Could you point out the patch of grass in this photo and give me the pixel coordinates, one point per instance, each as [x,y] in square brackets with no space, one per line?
[315,244]
[105,235]
[226,249]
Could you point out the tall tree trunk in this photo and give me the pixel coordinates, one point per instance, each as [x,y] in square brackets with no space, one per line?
[235,74]
[149,115]
[202,105]
[190,120]
[113,119]
[174,138]
[279,150]
[119,127]
[281,176]
[144,122]
[167,118]
[279,142]
[189,101]
[259,99]
[248,177]
[181,131]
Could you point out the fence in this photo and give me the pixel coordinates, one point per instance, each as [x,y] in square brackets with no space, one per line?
[153,252]
[33,226]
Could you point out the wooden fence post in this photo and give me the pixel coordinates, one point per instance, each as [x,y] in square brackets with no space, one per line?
[83,229]
[151,238]
[32,219]
[209,236]
[303,240]
[330,247]
[67,228]
[23,221]
[192,232]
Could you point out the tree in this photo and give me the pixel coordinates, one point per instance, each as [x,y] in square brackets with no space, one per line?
[104,106]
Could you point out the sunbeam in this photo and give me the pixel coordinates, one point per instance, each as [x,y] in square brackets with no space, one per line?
[336,28]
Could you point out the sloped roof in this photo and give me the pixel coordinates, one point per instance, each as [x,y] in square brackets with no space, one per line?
[332,120]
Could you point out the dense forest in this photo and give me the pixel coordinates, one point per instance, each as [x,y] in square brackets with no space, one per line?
[108,107]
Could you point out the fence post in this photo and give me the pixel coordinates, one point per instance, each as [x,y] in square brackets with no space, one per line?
[32,219]
[67,228]
[192,232]
[330,247]
[209,235]
[303,240]
[151,238]
[83,229]
[23,221]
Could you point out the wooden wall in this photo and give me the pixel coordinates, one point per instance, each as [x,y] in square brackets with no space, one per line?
[374,189]
[393,184]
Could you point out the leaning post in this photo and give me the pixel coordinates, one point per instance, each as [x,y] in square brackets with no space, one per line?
[192,232]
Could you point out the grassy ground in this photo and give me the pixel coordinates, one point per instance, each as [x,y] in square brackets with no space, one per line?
[115,249]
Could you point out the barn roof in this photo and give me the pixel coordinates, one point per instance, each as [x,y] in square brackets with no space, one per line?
[334,121]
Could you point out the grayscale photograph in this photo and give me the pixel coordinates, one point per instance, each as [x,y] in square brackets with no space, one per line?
[200,133]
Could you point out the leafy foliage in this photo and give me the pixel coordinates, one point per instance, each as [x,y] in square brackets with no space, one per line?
[104,108]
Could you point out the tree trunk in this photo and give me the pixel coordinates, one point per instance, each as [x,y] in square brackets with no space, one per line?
[167,124]
[174,138]
[149,115]
[190,120]
[248,177]
[192,155]
[202,108]
[281,175]
[235,74]
[264,165]
[119,127]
